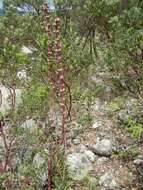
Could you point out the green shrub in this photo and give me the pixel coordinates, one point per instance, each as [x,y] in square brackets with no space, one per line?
[134,128]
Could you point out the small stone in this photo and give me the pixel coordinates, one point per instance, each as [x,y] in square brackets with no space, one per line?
[29,124]
[108,89]
[38,160]
[98,139]
[98,105]
[138,162]
[140,157]
[107,181]
[97,81]
[81,148]
[96,125]
[22,75]
[130,103]
[91,156]
[26,50]
[123,115]
[76,141]
[113,184]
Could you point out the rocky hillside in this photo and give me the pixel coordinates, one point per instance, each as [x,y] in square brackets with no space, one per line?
[105,153]
[108,154]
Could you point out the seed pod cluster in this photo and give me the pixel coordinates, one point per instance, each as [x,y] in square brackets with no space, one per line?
[47,23]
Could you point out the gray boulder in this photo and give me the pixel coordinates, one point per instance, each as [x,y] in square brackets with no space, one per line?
[79,165]
[103,148]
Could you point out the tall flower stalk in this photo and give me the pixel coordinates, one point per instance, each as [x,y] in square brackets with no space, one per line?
[60,70]
[56,77]
[48,30]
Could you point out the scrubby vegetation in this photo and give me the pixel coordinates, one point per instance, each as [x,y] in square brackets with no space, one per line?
[60,71]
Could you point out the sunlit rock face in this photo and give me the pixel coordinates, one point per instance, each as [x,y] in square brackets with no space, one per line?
[22,75]
[5,98]
[26,50]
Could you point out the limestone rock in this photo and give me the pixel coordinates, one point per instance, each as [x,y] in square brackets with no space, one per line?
[103,148]
[91,156]
[97,125]
[5,96]
[108,181]
[138,162]
[38,160]
[76,141]
[79,165]
[123,115]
